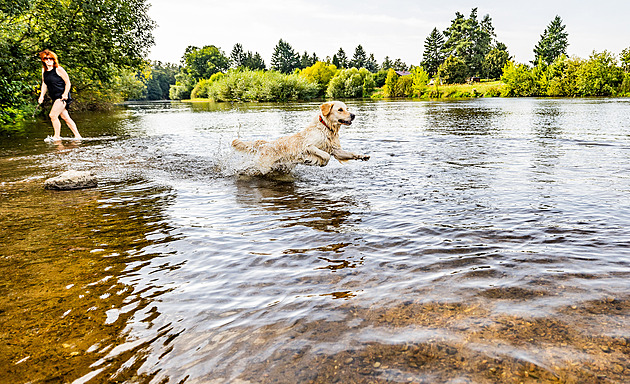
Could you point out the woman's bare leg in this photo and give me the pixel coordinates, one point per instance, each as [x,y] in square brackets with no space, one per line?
[58,107]
[71,124]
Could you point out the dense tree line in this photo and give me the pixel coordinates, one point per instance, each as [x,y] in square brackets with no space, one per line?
[200,67]
[599,75]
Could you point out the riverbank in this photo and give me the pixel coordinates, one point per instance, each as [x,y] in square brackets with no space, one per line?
[446,91]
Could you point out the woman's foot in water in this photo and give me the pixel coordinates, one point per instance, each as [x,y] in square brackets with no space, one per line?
[52,139]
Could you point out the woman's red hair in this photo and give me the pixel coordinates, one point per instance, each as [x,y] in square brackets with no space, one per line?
[48,53]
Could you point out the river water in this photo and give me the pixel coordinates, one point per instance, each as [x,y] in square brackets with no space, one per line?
[485,241]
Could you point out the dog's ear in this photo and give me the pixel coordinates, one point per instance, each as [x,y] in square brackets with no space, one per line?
[326,107]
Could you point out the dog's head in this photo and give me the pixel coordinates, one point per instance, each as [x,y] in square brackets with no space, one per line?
[337,113]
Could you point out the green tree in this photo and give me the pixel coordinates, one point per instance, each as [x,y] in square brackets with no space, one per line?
[371,64]
[237,57]
[625,59]
[518,80]
[307,61]
[470,40]
[253,61]
[160,81]
[201,63]
[390,83]
[433,55]
[599,75]
[562,76]
[359,59]
[319,73]
[453,70]
[387,64]
[96,41]
[284,59]
[420,79]
[495,60]
[400,65]
[553,42]
[340,60]
[351,82]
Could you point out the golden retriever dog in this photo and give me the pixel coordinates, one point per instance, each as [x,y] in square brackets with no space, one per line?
[312,146]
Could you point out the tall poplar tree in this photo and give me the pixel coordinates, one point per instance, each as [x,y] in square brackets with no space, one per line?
[553,42]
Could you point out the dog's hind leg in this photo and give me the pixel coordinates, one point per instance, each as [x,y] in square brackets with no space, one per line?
[247,146]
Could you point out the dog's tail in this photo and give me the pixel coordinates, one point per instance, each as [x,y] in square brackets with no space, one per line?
[247,146]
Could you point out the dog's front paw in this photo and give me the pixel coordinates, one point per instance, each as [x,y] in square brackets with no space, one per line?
[363,157]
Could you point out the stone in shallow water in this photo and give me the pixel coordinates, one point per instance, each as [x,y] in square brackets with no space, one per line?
[71,180]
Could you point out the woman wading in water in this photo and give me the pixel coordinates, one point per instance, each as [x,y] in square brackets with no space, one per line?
[55,80]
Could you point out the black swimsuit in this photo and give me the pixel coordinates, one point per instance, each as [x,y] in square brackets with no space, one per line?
[56,85]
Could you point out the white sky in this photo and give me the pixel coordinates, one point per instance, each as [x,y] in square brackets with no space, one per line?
[385,28]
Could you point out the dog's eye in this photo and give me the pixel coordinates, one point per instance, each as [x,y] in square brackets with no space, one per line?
[340,109]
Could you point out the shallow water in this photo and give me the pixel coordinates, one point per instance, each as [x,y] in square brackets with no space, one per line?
[484,241]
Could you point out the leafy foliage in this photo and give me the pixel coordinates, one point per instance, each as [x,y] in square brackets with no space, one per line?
[248,85]
[201,63]
[160,80]
[553,42]
[598,76]
[625,59]
[433,54]
[495,60]
[97,41]
[453,71]
[351,82]
[340,60]
[359,60]
[241,59]
[320,73]
[284,59]
[469,40]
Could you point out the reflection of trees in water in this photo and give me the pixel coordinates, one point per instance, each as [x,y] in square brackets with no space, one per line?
[462,119]
[301,206]
[297,206]
[547,119]
[64,302]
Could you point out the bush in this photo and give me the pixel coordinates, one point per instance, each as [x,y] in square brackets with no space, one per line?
[599,76]
[380,77]
[420,79]
[519,80]
[453,71]
[320,74]
[248,85]
[349,83]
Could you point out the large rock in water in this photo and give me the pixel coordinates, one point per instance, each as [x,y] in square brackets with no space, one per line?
[71,180]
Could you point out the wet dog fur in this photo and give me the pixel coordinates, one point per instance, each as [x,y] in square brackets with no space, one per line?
[313,146]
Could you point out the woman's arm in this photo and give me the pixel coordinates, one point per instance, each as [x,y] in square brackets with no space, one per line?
[44,89]
[64,75]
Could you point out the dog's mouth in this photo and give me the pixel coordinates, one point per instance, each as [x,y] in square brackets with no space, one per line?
[347,122]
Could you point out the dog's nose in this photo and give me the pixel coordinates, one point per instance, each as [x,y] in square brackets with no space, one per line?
[351,116]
